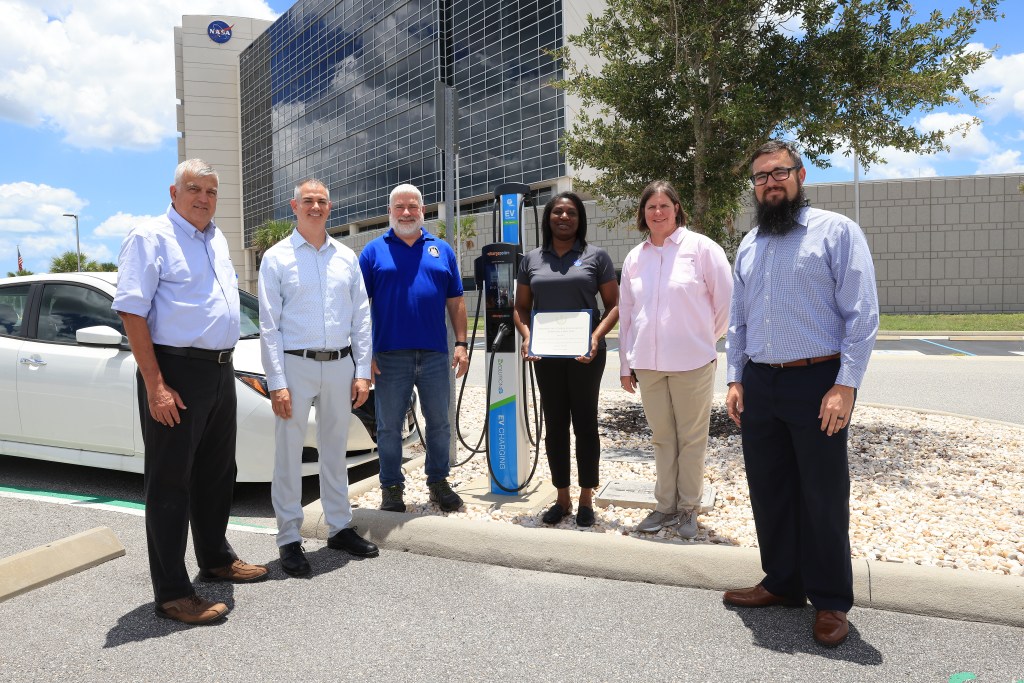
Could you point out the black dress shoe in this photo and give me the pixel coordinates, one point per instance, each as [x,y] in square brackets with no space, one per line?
[352,543]
[555,514]
[585,516]
[293,559]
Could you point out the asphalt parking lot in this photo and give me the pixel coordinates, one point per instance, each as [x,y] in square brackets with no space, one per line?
[407,617]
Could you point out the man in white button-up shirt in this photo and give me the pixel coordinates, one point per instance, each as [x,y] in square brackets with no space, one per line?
[315,339]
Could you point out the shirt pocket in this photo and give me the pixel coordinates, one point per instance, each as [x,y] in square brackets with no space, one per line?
[226,273]
[684,271]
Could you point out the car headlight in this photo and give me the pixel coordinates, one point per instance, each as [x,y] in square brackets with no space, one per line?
[257,383]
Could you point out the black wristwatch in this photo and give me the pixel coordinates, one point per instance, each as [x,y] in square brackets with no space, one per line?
[464,345]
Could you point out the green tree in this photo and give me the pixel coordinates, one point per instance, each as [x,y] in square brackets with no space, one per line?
[18,273]
[686,90]
[108,267]
[270,233]
[68,263]
[466,229]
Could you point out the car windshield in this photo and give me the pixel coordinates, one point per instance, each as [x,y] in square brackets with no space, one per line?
[250,309]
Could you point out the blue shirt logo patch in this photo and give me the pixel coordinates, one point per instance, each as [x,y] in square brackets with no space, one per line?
[434,251]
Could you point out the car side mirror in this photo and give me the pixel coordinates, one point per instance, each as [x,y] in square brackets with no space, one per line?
[100,335]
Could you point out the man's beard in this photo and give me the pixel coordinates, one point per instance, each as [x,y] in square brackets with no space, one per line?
[402,231]
[779,219]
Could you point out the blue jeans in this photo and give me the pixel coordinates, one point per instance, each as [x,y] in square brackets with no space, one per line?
[430,372]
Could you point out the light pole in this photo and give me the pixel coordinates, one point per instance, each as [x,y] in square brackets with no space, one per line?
[78,244]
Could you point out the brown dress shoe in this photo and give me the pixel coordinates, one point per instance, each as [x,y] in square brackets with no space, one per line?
[192,609]
[830,627]
[236,572]
[758,596]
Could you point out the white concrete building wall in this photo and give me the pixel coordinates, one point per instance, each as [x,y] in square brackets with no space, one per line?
[209,114]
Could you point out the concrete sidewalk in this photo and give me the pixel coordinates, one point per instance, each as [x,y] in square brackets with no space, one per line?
[898,587]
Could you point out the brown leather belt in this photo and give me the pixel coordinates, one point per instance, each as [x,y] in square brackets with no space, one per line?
[803,362]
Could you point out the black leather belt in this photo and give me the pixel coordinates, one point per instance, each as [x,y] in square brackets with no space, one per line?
[320,355]
[221,357]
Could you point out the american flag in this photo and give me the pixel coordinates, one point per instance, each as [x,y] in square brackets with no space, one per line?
[21,263]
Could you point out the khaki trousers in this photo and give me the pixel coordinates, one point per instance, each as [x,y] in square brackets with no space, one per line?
[678,409]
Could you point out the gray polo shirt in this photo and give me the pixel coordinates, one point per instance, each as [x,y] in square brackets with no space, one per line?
[569,282]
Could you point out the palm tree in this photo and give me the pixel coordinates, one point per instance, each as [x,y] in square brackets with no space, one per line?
[19,273]
[268,234]
[465,229]
[68,262]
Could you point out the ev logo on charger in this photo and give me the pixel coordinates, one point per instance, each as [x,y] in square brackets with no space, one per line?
[219,31]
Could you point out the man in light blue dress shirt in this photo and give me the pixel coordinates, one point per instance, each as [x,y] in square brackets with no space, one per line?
[315,342]
[803,323]
[178,297]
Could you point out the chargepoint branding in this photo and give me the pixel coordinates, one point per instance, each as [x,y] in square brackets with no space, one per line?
[502,423]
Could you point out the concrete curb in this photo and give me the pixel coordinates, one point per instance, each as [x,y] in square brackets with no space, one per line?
[892,586]
[896,587]
[51,562]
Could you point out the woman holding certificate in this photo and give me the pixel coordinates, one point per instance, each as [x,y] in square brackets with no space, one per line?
[558,285]
[676,290]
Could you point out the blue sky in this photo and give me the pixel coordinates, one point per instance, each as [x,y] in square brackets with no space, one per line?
[87,118]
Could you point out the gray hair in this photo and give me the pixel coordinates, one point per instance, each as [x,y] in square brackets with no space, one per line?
[774,146]
[405,188]
[195,168]
[316,182]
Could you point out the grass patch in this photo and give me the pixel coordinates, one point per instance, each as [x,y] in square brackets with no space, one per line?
[967,322]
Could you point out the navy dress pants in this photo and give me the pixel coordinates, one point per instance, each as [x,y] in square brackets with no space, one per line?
[799,484]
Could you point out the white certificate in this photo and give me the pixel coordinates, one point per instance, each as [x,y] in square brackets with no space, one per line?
[560,333]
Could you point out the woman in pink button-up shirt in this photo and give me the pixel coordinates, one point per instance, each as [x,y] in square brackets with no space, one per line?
[674,305]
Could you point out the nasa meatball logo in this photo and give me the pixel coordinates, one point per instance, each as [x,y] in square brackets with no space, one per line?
[219,31]
[434,251]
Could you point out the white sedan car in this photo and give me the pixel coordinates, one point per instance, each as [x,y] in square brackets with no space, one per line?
[68,389]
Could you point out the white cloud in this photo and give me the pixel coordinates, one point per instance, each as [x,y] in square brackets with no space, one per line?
[1001,79]
[962,145]
[900,164]
[101,73]
[32,219]
[119,224]
[1007,161]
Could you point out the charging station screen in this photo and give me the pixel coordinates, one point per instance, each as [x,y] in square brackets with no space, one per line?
[500,283]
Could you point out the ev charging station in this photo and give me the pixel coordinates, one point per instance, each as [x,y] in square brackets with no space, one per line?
[508,439]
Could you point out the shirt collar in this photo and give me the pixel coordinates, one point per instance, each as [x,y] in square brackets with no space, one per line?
[190,230]
[677,236]
[390,236]
[297,240]
[576,246]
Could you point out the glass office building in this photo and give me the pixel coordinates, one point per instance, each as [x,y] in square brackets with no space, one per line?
[344,90]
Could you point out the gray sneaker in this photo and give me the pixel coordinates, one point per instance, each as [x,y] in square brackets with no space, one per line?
[441,494]
[656,521]
[687,524]
[391,498]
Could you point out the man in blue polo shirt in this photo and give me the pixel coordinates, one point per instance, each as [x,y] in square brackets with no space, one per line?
[412,277]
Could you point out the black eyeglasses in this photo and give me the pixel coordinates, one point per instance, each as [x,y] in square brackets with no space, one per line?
[779,174]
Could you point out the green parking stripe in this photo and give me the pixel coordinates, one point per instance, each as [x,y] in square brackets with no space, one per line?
[105,501]
[76,497]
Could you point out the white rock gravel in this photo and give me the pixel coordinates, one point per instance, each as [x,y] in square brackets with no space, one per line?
[934,490]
